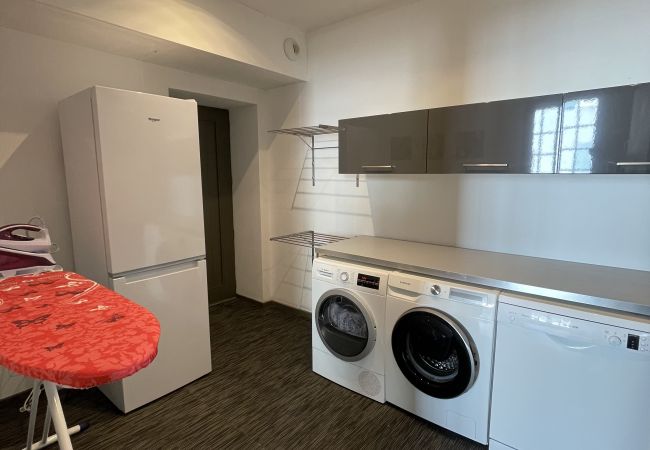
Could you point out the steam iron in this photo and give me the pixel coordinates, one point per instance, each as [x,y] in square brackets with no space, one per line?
[15,262]
[11,237]
[21,253]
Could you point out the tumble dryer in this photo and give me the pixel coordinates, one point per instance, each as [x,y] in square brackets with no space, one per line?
[440,346]
[348,310]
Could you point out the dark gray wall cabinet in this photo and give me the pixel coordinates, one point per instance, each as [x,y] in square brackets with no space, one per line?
[509,136]
[606,131]
[597,131]
[394,143]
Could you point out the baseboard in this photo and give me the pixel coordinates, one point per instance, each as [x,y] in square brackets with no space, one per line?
[300,310]
[263,304]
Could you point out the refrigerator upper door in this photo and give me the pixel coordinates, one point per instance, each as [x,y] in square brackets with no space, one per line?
[150,170]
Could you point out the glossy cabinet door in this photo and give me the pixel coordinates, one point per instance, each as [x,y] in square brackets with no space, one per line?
[390,143]
[509,136]
[606,131]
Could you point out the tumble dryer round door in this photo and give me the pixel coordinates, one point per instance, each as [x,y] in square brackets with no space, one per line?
[434,353]
[345,325]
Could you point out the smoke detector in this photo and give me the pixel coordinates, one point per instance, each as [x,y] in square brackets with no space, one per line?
[291,49]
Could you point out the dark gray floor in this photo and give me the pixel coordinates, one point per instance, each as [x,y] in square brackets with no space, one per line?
[260,394]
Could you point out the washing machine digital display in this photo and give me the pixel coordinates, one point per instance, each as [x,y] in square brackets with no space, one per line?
[368,281]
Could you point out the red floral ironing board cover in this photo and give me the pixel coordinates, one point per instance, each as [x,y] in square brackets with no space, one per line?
[64,328]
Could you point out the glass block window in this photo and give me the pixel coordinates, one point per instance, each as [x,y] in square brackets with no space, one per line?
[578,135]
[545,126]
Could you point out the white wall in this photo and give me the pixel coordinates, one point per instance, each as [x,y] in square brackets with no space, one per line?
[222,27]
[246,196]
[426,54]
[37,73]
[436,53]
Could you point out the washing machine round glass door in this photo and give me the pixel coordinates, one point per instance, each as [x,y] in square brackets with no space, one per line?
[434,353]
[345,325]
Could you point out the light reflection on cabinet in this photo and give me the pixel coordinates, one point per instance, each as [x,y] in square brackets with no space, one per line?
[606,131]
[597,131]
[509,136]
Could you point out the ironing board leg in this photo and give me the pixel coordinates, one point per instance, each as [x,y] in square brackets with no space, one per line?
[46,426]
[36,393]
[54,413]
[54,404]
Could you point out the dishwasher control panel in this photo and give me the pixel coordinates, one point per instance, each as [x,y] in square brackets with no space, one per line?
[617,337]
[570,329]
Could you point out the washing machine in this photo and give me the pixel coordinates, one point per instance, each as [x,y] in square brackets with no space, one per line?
[439,352]
[348,310]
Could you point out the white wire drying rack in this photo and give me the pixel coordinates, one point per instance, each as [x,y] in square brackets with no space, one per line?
[310,239]
[307,136]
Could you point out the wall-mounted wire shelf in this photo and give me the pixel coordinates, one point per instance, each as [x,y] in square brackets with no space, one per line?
[305,133]
[309,239]
[308,131]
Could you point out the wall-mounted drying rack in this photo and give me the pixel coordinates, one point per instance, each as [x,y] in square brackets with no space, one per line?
[307,135]
[310,239]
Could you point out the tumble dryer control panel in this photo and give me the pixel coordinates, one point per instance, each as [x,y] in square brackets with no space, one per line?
[369,281]
[352,276]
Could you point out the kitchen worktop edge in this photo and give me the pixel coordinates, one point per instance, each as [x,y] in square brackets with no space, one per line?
[534,276]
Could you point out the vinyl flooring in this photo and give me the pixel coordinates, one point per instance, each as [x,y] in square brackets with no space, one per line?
[261,394]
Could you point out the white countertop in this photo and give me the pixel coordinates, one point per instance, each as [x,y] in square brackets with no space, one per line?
[623,290]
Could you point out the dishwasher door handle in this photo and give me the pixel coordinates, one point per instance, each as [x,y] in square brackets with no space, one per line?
[559,336]
[570,343]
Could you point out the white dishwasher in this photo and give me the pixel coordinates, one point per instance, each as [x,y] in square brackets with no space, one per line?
[569,378]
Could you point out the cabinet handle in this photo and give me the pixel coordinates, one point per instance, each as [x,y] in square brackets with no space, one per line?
[640,163]
[486,165]
[378,168]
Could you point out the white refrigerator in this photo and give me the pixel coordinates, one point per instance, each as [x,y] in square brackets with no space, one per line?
[133,173]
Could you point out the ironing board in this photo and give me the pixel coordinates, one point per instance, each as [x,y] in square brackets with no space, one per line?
[62,329]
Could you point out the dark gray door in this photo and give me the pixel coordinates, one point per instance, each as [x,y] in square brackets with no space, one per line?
[214,137]
[606,131]
[509,136]
[393,143]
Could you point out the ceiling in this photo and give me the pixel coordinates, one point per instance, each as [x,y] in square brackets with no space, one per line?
[40,18]
[309,15]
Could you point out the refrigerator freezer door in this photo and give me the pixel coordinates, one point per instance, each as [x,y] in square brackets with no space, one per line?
[178,297]
[150,171]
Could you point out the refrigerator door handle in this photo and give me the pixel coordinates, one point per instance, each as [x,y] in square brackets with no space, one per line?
[157,271]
